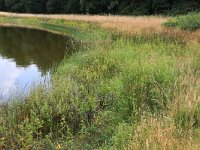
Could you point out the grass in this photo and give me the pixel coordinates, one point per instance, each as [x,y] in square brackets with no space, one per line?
[125,90]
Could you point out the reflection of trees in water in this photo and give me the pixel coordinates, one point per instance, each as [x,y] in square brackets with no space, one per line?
[28,46]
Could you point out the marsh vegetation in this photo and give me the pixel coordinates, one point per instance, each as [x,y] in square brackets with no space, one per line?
[133,85]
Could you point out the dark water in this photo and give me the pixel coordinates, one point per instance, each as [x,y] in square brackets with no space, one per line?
[27,55]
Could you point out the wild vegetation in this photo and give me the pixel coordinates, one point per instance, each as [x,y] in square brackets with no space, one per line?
[128,7]
[134,86]
[187,22]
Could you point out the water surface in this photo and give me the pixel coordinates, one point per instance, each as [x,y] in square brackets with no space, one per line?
[27,55]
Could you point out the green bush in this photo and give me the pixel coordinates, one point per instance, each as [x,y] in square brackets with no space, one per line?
[186,22]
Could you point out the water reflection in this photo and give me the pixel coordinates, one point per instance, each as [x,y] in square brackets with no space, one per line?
[26,55]
[12,76]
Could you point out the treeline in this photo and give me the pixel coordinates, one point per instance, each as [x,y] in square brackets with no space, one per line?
[132,7]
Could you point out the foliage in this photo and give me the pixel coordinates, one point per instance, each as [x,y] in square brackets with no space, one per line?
[190,22]
[2,5]
[134,7]
[35,6]
[53,6]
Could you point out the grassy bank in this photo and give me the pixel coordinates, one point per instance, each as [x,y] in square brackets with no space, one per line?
[129,88]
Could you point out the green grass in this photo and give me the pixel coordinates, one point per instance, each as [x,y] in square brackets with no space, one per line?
[81,31]
[190,21]
[102,97]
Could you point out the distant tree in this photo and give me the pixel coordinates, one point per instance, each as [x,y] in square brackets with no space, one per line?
[2,5]
[113,6]
[73,6]
[54,6]
[104,6]
[36,6]
[129,7]
[9,4]
[86,5]
[15,5]
[64,4]
[150,7]
[160,6]
[94,6]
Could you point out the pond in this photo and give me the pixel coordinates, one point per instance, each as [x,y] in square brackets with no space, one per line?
[27,56]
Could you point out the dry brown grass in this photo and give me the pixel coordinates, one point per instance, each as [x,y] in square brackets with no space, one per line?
[120,23]
[154,134]
[187,86]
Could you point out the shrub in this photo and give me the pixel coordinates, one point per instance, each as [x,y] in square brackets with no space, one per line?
[186,22]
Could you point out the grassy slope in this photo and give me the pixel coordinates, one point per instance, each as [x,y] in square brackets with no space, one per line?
[136,91]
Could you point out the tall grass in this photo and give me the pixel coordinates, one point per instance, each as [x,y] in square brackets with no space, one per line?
[131,92]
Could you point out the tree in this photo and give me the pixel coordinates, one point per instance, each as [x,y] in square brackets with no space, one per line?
[64,4]
[9,4]
[54,6]
[2,5]
[160,6]
[129,7]
[36,6]
[73,6]
[14,5]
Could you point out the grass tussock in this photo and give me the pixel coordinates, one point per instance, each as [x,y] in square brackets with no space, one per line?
[134,91]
